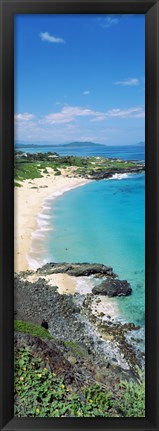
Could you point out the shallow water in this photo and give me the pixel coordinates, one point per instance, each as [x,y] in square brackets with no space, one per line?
[101,222]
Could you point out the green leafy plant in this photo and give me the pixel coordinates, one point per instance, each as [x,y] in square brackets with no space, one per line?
[40,392]
[131,401]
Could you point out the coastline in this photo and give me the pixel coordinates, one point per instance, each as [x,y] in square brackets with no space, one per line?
[87,330]
[29,200]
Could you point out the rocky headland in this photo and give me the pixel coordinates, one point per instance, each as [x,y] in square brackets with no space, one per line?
[92,168]
[94,345]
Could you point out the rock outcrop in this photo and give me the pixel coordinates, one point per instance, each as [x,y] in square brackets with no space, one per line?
[105,174]
[76,269]
[113,287]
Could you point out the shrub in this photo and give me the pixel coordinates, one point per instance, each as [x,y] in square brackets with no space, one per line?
[40,392]
[131,400]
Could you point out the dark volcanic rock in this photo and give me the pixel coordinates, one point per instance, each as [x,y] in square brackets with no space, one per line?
[44,324]
[76,269]
[112,287]
[99,175]
[51,355]
[70,320]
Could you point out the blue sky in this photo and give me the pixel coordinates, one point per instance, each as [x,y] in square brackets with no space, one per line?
[80,78]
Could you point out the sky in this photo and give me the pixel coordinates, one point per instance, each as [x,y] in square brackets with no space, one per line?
[79,78]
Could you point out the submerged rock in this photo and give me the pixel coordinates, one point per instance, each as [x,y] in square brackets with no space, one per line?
[113,287]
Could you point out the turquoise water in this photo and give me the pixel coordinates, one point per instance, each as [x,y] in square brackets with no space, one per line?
[103,222]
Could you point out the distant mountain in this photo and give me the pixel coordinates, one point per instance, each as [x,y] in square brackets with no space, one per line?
[82,144]
[47,144]
[75,144]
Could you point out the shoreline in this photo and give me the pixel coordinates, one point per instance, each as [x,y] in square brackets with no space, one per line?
[78,318]
[29,201]
[47,293]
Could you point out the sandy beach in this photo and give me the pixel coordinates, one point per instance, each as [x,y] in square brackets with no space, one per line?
[28,202]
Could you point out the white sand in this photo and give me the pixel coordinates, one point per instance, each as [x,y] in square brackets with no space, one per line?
[66,283]
[28,203]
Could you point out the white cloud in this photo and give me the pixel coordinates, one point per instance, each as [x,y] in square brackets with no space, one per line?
[128,82]
[68,114]
[24,117]
[135,112]
[77,123]
[86,92]
[52,39]
[107,22]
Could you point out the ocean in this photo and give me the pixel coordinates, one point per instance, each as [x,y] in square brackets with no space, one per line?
[102,222]
[135,152]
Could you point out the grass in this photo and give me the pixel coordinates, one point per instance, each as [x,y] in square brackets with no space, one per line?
[77,350]
[30,328]
[25,171]
[34,165]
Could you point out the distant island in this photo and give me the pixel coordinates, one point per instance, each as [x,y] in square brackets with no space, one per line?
[71,144]
[83,144]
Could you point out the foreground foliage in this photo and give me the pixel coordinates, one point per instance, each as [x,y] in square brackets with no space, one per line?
[40,392]
[131,401]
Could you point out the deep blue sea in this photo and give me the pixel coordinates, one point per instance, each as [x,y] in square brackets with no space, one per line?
[104,222]
[124,152]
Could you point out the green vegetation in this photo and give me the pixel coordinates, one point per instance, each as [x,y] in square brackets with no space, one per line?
[16,184]
[30,166]
[131,401]
[25,171]
[40,392]
[30,328]
[76,349]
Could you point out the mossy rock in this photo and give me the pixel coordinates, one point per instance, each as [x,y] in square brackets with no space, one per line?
[76,349]
[30,328]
